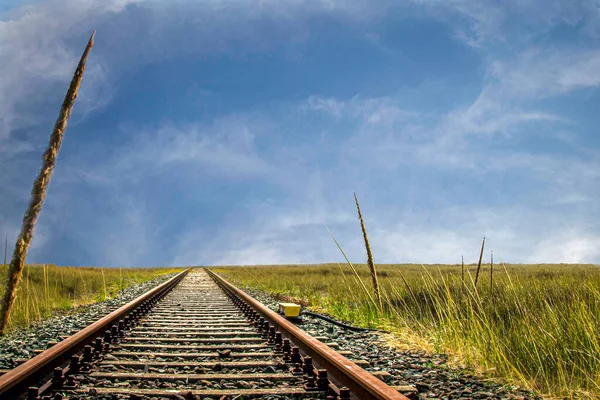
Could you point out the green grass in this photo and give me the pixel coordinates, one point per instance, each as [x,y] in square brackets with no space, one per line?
[539,326]
[46,289]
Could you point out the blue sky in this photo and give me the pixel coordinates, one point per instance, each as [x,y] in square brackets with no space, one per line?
[232,132]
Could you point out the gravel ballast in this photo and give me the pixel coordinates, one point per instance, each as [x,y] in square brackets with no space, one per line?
[22,344]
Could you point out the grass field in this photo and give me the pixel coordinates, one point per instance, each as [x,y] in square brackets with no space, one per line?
[538,325]
[48,288]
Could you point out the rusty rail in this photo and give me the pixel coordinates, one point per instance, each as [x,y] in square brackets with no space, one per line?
[16,382]
[316,366]
[343,372]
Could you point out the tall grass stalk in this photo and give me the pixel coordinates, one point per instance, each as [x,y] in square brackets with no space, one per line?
[342,272]
[356,275]
[84,294]
[370,261]
[479,264]
[462,272]
[27,297]
[46,292]
[38,192]
[492,272]
[412,295]
[104,283]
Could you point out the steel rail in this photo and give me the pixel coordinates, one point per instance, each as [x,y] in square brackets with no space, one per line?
[342,371]
[16,382]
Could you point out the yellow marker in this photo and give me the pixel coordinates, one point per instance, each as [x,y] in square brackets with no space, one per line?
[290,310]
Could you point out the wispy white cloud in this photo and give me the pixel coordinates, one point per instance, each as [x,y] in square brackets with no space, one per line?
[510,23]
[376,111]
[493,113]
[290,233]
[289,229]
[537,73]
[566,247]
[515,235]
[225,147]
[388,135]
[327,105]
[39,57]
[372,145]
[484,19]
[231,151]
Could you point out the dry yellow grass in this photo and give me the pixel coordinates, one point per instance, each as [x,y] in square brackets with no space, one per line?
[47,289]
[539,327]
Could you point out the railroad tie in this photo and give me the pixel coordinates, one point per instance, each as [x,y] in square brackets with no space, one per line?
[196,336]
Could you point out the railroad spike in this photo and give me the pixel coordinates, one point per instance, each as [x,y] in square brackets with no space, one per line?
[70,384]
[278,343]
[271,338]
[74,365]
[322,380]
[98,348]
[114,333]
[57,379]
[87,353]
[107,340]
[297,370]
[344,394]
[310,384]
[33,393]
[286,357]
[296,357]
[308,366]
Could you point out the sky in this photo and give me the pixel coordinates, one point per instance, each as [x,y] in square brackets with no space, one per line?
[236,132]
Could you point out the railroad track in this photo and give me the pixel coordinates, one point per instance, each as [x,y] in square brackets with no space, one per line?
[195,336]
